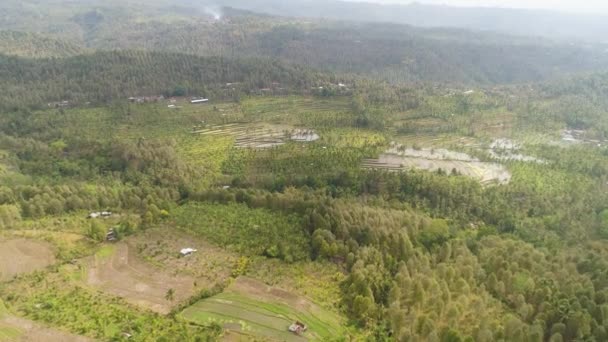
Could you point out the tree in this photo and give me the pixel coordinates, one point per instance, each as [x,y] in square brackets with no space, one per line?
[96,231]
[436,233]
[170,295]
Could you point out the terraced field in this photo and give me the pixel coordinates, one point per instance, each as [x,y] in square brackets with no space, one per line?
[259,135]
[253,308]
[396,159]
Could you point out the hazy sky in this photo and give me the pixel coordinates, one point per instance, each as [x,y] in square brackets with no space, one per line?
[591,6]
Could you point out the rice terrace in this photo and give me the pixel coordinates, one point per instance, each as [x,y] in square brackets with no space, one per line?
[401,158]
[249,307]
[260,135]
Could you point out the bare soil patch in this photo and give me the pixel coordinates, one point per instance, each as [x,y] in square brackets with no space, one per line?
[19,256]
[144,269]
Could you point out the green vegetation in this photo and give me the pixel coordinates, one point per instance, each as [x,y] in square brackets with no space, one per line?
[247,231]
[35,46]
[53,300]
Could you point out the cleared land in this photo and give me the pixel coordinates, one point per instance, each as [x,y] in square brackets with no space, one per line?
[20,256]
[251,307]
[148,271]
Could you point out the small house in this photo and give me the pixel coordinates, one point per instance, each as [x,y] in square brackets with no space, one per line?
[298,328]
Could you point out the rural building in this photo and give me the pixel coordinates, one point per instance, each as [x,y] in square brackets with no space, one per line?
[199,101]
[111,235]
[146,99]
[61,104]
[298,328]
[98,214]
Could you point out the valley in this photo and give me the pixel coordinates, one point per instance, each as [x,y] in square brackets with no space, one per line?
[171,171]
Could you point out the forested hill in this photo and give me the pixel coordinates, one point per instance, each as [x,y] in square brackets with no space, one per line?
[105,76]
[391,52]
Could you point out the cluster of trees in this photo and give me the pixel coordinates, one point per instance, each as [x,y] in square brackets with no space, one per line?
[413,276]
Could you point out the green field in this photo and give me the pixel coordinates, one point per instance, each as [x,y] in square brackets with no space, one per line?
[266,317]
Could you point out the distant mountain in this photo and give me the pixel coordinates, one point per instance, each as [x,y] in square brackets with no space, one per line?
[391,52]
[543,23]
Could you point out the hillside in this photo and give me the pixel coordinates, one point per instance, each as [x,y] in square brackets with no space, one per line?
[106,76]
[395,53]
[35,46]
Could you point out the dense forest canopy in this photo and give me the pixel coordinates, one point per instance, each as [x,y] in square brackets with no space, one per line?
[391,52]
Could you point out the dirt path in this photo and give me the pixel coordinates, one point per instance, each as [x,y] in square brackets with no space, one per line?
[20,256]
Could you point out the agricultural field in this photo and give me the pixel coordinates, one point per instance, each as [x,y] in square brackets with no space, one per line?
[250,307]
[147,269]
[399,158]
[259,136]
[118,271]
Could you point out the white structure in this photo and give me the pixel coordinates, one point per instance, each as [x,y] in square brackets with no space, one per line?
[197,101]
[98,214]
[187,251]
